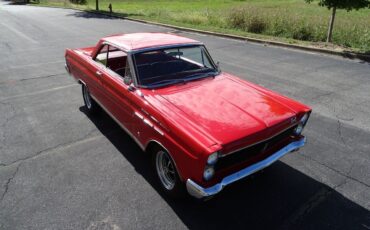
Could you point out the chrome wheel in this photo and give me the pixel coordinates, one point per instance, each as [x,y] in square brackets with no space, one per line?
[165,170]
[87,97]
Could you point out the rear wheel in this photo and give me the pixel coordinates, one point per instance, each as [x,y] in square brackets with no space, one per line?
[91,106]
[167,174]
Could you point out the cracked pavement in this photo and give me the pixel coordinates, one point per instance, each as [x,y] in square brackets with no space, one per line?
[61,169]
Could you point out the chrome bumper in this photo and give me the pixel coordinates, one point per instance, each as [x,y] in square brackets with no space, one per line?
[67,68]
[199,192]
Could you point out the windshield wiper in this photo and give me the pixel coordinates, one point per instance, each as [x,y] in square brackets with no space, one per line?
[202,75]
[182,80]
[168,81]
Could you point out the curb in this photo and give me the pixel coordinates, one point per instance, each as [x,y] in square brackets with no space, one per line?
[345,54]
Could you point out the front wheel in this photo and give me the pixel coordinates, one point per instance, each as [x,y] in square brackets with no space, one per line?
[91,106]
[167,174]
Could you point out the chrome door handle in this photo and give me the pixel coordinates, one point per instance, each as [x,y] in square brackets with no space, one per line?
[98,73]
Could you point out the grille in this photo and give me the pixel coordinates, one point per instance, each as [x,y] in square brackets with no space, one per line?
[254,152]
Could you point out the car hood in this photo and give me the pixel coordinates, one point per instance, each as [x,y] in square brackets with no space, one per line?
[227,109]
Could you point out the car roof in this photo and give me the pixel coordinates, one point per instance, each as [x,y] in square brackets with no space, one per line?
[138,41]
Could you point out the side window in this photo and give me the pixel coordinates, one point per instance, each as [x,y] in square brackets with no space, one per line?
[194,55]
[103,55]
[117,61]
[114,59]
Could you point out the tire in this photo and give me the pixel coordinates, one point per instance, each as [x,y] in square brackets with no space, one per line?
[91,106]
[167,174]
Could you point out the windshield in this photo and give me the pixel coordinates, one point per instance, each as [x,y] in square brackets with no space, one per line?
[161,67]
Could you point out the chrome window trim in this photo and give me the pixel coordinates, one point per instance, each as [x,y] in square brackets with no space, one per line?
[129,60]
[165,47]
[203,47]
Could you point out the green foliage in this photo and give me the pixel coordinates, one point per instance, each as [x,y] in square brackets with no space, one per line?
[79,2]
[344,4]
[283,19]
[304,33]
[245,20]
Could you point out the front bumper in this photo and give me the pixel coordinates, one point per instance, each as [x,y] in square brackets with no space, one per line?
[199,192]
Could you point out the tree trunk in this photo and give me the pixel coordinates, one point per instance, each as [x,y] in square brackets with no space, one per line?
[331,25]
[97,5]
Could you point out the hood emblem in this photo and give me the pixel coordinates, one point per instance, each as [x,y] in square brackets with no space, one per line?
[293,120]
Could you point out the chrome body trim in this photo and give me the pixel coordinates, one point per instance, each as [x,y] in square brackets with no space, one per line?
[67,68]
[199,192]
[81,82]
[147,122]
[119,123]
[158,130]
[139,115]
[256,143]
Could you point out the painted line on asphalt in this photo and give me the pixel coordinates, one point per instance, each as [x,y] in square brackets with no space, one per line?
[12,82]
[38,92]
[20,34]
[35,64]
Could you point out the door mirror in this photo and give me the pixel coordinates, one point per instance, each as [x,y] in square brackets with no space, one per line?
[218,66]
[127,80]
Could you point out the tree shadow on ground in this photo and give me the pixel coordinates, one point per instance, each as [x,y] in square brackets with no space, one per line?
[279,198]
[100,15]
[364,58]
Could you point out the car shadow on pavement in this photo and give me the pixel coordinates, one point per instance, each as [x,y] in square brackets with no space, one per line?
[279,198]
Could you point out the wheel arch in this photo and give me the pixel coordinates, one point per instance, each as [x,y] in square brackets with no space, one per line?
[79,81]
[152,144]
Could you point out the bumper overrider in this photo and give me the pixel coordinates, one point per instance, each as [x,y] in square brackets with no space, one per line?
[199,192]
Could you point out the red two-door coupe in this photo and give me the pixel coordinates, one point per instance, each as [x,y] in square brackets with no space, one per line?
[204,128]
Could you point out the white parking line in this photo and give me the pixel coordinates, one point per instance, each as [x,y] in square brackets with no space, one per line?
[19,33]
[38,92]
[35,64]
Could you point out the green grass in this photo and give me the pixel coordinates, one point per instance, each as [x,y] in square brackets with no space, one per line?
[291,21]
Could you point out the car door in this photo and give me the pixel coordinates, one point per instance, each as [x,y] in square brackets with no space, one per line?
[94,68]
[116,96]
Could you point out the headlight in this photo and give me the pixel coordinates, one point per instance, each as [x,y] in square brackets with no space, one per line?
[208,173]
[212,159]
[298,130]
[304,119]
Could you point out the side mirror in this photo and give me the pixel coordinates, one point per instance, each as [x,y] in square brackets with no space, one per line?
[218,66]
[127,80]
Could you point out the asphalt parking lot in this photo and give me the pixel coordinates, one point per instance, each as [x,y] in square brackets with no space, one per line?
[61,169]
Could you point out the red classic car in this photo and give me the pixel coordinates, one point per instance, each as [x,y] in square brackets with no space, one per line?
[204,128]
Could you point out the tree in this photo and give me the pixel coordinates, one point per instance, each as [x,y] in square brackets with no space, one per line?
[340,4]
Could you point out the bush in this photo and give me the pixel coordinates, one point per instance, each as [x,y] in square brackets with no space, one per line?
[303,32]
[79,2]
[256,25]
[247,20]
[236,19]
